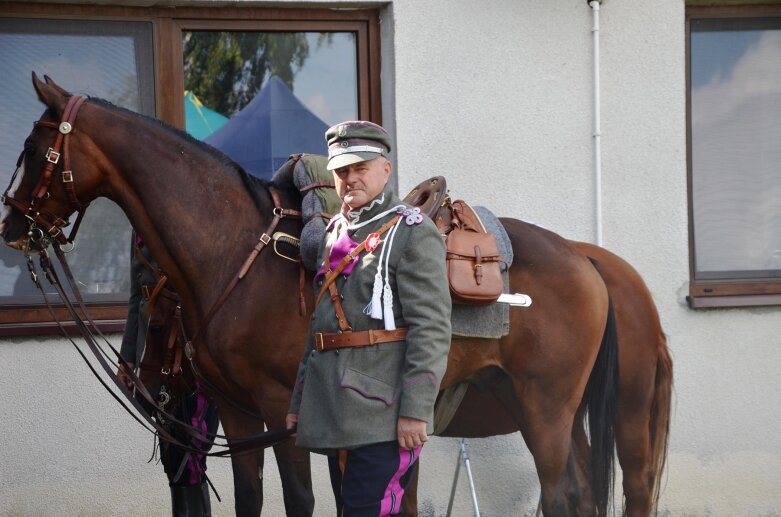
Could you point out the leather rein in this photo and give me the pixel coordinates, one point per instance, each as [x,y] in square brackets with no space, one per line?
[46,229]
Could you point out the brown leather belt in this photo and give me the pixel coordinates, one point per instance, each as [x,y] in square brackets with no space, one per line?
[324,341]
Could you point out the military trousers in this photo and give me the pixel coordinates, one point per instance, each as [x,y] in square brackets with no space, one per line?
[370,481]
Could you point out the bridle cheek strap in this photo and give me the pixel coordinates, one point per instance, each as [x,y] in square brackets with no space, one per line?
[50,224]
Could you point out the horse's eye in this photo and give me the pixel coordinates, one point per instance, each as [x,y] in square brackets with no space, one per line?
[29,150]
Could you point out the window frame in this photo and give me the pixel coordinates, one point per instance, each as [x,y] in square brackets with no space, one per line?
[735,292]
[17,319]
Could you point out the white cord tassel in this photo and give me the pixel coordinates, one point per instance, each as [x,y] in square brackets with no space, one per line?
[375,306]
[387,294]
[387,308]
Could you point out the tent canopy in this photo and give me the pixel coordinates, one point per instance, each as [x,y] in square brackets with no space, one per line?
[274,125]
[200,121]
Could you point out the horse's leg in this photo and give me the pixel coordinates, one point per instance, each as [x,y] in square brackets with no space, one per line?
[643,427]
[293,463]
[579,473]
[296,476]
[547,434]
[247,468]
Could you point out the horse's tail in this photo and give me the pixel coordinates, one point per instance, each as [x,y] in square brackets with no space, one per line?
[600,402]
[660,417]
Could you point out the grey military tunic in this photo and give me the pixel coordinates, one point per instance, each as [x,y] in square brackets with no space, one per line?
[352,397]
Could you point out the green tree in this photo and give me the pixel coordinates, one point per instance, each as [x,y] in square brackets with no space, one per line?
[226,69]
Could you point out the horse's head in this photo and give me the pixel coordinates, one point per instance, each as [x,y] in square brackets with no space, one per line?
[44,191]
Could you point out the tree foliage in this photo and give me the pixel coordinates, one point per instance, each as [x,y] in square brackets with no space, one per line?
[226,69]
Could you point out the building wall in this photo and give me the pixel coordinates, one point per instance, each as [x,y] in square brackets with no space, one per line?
[497,97]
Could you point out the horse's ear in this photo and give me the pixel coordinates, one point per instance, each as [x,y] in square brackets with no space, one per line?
[50,94]
[56,86]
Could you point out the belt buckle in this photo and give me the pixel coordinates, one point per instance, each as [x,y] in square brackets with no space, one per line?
[319,342]
[145,292]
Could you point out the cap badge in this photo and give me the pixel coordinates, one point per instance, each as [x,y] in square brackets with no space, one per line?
[345,143]
[342,131]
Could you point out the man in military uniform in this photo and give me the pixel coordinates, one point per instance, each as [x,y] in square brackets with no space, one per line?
[379,335]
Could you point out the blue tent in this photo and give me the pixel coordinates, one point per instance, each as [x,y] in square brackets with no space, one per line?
[200,121]
[269,129]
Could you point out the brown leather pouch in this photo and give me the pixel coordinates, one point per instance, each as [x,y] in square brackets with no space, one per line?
[473,270]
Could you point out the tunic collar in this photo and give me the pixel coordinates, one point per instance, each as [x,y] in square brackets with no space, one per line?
[378,205]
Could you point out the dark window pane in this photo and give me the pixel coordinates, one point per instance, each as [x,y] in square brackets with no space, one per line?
[261,96]
[736,147]
[111,60]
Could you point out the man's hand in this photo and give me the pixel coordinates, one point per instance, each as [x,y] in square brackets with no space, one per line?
[411,432]
[122,376]
[291,421]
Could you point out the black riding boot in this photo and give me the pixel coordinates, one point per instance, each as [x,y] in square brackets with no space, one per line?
[191,501]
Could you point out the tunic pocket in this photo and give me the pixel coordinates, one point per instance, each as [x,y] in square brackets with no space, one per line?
[368,387]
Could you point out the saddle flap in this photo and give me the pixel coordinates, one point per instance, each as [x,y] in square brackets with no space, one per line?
[472,245]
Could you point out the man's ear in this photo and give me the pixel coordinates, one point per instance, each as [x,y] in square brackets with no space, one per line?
[388,169]
[50,94]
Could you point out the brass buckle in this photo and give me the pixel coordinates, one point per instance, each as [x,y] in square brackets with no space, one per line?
[145,292]
[319,346]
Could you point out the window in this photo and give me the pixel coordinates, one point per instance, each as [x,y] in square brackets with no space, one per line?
[290,72]
[734,156]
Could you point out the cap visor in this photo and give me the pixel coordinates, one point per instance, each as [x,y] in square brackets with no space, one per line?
[343,160]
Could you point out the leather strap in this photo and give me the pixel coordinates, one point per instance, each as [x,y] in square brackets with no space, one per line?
[279,213]
[341,317]
[317,184]
[325,341]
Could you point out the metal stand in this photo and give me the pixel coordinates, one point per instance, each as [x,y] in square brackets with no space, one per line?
[463,457]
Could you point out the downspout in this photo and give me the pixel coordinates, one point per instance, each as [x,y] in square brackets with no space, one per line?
[594,4]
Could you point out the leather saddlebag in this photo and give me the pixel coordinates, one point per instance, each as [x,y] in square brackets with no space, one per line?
[473,260]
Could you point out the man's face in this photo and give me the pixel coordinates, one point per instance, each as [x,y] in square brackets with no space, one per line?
[358,184]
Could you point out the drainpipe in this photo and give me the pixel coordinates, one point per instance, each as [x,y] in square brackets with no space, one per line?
[594,4]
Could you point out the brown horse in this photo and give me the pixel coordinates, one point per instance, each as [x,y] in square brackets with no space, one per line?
[200,217]
[644,391]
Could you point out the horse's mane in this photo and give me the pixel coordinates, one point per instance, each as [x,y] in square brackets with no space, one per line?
[253,184]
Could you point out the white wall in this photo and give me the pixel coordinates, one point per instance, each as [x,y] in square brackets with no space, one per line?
[495,95]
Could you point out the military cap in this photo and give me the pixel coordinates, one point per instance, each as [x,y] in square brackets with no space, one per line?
[355,141]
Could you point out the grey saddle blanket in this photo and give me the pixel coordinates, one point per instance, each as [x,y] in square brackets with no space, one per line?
[488,321]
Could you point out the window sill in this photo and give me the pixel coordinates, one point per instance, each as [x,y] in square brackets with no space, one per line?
[736,301]
[36,320]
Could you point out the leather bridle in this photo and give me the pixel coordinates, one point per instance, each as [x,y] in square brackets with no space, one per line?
[47,224]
